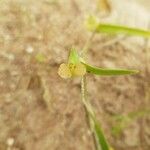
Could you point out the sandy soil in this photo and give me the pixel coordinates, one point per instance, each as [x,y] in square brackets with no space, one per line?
[41,111]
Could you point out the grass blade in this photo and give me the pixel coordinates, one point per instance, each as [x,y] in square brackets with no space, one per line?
[108,72]
[92,24]
[100,136]
[116,29]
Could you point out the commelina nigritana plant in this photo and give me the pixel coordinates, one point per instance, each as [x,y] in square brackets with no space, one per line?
[77,67]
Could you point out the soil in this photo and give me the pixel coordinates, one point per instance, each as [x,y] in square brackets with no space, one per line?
[41,111]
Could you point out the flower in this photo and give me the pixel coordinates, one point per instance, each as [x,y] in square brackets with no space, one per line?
[71,70]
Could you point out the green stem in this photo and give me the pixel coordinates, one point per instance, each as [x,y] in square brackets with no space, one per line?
[88,108]
[87,44]
[89,112]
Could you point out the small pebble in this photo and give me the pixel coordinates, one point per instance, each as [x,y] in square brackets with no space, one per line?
[10,141]
[29,49]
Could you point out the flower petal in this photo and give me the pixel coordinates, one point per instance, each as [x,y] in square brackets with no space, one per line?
[79,70]
[64,71]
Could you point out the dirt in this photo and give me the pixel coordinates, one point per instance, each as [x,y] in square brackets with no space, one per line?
[41,111]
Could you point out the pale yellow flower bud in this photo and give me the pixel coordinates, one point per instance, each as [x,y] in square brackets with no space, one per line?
[79,70]
[64,71]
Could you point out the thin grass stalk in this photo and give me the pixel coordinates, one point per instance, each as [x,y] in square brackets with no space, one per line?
[87,44]
[89,112]
[87,106]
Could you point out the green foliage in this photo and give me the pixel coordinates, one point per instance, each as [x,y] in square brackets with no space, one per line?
[101,142]
[108,72]
[93,24]
[74,57]
[100,136]
[123,121]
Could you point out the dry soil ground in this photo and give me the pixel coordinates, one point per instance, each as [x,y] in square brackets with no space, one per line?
[41,111]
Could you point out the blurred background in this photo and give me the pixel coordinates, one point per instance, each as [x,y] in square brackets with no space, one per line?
[41,111]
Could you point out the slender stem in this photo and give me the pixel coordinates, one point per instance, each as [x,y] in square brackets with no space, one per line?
[87,106]
[89,112]
[87,44]
[84,96]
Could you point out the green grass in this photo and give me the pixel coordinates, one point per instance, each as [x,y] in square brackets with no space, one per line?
[123,121]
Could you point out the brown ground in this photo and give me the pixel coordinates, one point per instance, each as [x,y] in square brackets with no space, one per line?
[41,111]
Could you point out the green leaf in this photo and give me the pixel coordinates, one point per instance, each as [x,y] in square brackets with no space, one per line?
[93,24]
[108,72]
[100,136]
[73,57]
[116,29]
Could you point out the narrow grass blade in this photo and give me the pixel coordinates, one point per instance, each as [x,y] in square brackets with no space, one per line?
[92,24]
[116,29]
[108,72]
[100,136]
[101,141]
